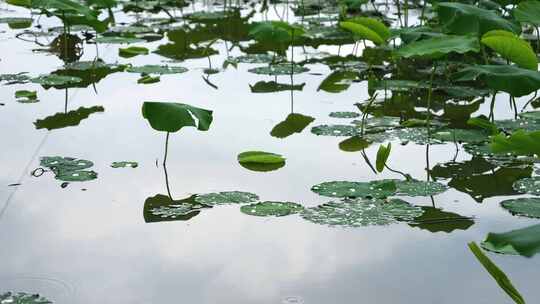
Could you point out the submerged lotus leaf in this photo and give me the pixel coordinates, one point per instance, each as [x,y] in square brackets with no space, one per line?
[419,188]
[157,69]
[125,164]
[376,189]
[527,206]
[55,80]
[69,119]
[529,185]
[227,197]
[344,114]
[362,212]
[272,209]
[22,298]
[261,161]
[436,220]
[525,241]
[461,135]
[69,169]
[335,130]
[279,69]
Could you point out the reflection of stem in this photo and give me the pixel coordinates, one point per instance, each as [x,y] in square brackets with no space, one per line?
[428,120]
[167,181]
[432,201]
[165,165]
[492,106]
[66,100]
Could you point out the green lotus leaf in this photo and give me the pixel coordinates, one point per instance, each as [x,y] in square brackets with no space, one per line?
[525,241]
[132,51]
[272,209]
[362,212]
[528,12]
[279,69]
[512,48]
[518,143]
[157,69]
[529,185]
[125,164]
[527,206]
[226,197]
[22,298]
[362,32]
[382,156]
[294,123]
[353,144]
[439,46]
[344,115]
[69,119]
[335,130]
[171,117]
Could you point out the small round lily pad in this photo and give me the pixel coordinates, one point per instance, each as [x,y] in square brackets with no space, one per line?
[272,208]
[362,212]
[530,185]
[527,206]
[227,197]
[69,169]
[22,298]
[335,130]
[76,176]
[344,114]
[261,161]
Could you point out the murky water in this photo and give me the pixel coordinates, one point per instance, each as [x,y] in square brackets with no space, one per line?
[89,242]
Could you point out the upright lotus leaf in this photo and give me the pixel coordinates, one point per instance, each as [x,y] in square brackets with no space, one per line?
[439,46]
[375,25]
[362,32]
[496,273]
[513,80]
[278,32]
[512,48]
[261,161]
[171,117]
[462,19]
[382,156]
[519,143]
[528,12]
[525,241]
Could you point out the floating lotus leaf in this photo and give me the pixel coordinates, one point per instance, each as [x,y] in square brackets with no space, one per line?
[525,241]
[132,51]
[534,115]
[125,164]
[344,114]
[118,40]
[279,69]
[419,188]
[376,189]
[461,135]
[157,69]
[529,185]
[227,197]
[69,169]
[55,80]
[272,209]
[161,208]
[362,212]
[22,298]
[261,161]
[528,206]
[272,86]
[258,58]
[335,130]
[19,78]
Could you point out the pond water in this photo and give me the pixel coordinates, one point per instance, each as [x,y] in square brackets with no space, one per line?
[103,240]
